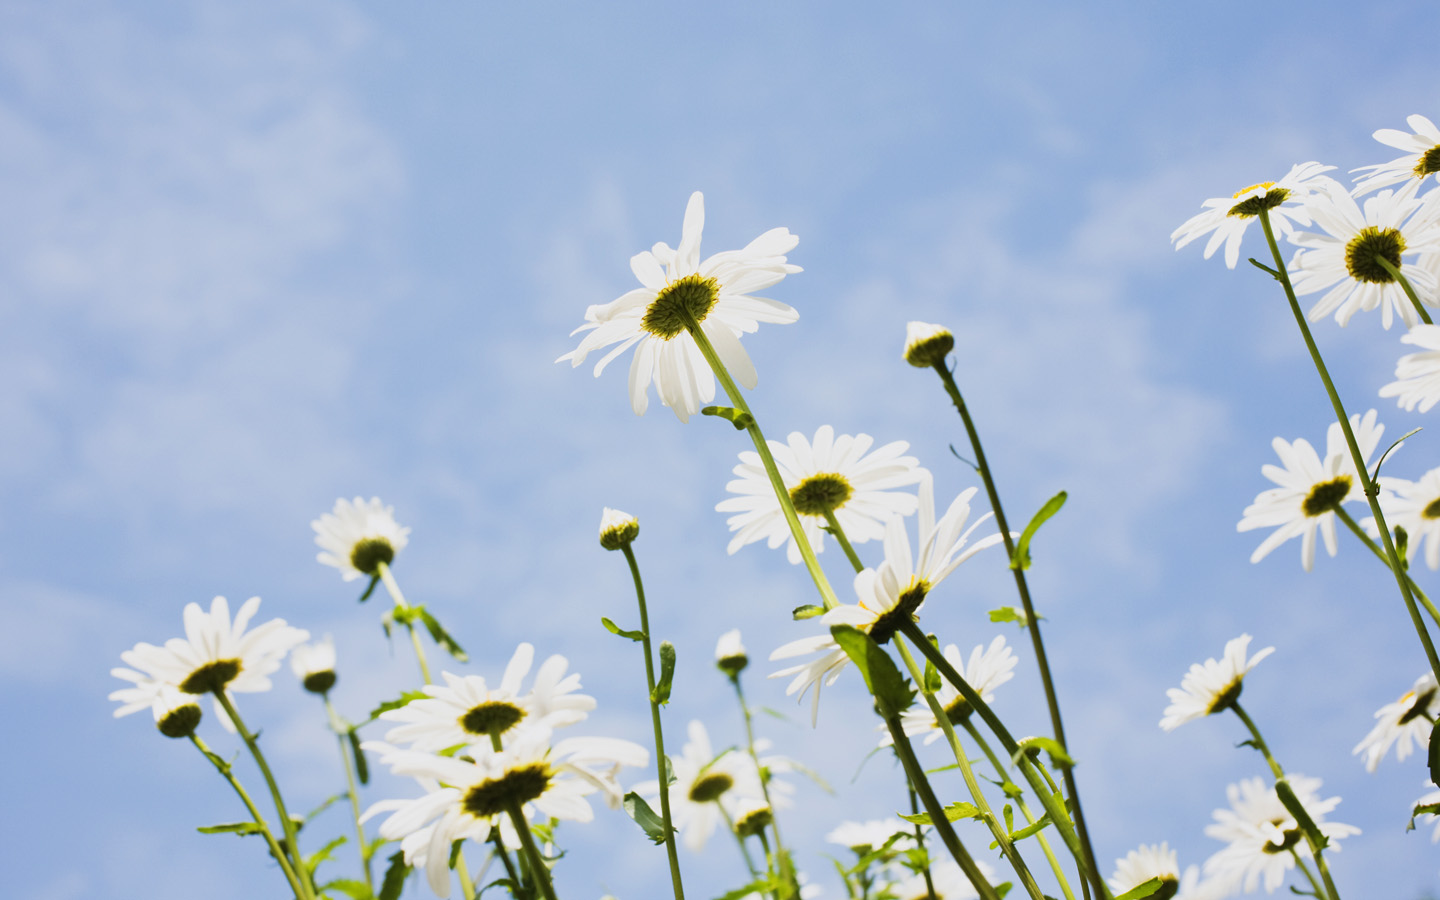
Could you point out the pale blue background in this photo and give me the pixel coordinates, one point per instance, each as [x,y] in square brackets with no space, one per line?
[257,256]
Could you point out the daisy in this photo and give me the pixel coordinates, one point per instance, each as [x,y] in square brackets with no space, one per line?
[1228,217]
[830,474]
[1421,159]
[1417,375]
[926,344]
[1147,862]
[176,713]
[891,595]
[314,665]
[1310,490]
[1404,723]
[949,879]
[677,288]
[988,668]
[864,837]
[1261,833]
[617,529]
[466,710]
[1343,261]
[730,655]
[1414,506]
[707,788]
[1212,686]
[357,536]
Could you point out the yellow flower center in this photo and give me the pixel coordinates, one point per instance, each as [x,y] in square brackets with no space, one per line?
[821,493]
[1250,207]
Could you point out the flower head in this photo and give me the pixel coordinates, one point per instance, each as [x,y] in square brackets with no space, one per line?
[314,665]
[1147,862]
[951,882]
[1417,375]
[863,837]
[1415,507]
[1405,723]
[835,475]
[707,786]
[1421,159]
[356,537]
[927,345]
[1261,833]
[988,668]
[1212,686]
[678,292]
[1228,217]
[617,529]
[730,655]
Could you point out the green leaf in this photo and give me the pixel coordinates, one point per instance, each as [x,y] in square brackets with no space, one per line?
[440,636]
[398,702]
[1402,546]
[1033,828]
[394,881]
[1422,809]
[362,768]
[891,691]
[1143,889]
[356,890]
[1292,803]
[1012,614]
[313,861]
[1434,756]
[238,828]
[1058,757]
[661,694]
[329,802]
[1021,560]
[616,629]
[741,420]
[637,809]
[954,813]
[808,611]
[374,580]
[1391,449]
[762,886]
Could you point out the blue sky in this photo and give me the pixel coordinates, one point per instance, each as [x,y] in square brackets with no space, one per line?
[253,258]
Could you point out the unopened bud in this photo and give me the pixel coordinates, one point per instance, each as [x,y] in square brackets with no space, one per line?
[617,529]
[927,345]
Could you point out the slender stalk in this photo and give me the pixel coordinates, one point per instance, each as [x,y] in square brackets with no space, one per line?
[1371,491]
[839,533]
[744,850]
[1300,863]
[920,842]
[527,841]
[224,769]
[467,887]
[1359,532]
[787,869]
[354,791]
[393,587]
[987,815]
[1257,740]
[660,760]
[291,843]
[782,494]
[1405,286]
[508,863]
[1042,662]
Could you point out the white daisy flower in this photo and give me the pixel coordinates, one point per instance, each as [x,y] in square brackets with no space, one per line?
[951,882]
[707,787]
[1260,833]
[1417,375]
[835,474]
[357,536]
[927,344]
[677,286]
[1147,862]
[314,665]
[863,837]
[730,655]
[1421,159]
[176,713]
[470,796]
[988,668]
[1405,723]
[1228,217]
[466,710]
[1414,506]
[1310,490]
[1342,261]
[1211,686]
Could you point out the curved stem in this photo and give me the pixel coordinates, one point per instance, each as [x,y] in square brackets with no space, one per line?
[1310,876]
[659,733]
[920,842]
[1399,276]
[342,737]
[783,863]
[507,862]
[527,842]
[782,494]
[393,587]
[1042,662]
[1257,740]
[1359,532]
[224,769]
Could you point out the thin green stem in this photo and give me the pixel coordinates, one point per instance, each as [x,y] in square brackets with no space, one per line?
[987,815]
[508,863]
[1042,661]
[1372,493]
[1257,740]
[744,851]
[527,842]
[286,823]
[1405,286]
[1375,549]
[783,863]
[782,494]
[224,769]
[659,733]
[839,533]
[342,736]
[467,887]
[920,842]
[393,587]
[1310,876]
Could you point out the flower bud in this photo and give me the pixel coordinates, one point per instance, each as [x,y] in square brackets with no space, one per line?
[617,529]
[730,655]
[177,715]
[314,665]
[752,817]
[927,345]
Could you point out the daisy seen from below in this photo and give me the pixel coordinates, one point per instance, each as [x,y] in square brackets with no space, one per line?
[838,475]
[1310,489]
[863,837]
[1421,160]
[467,710]
[708,789]
[1147,862]
[1212,686]
[1417,375]
[357,536]
[679,289]
[1225,219]
[314,665]
[949,879]
[892,594]
[176,713]
[1262,837]
[988,668]
[1406,723]
[1343,261]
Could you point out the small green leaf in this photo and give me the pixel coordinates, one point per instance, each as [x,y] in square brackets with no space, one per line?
[329,802]
[1033,828]
[362,768]
[371,589]
[394,881]
[1011,614]
[398,702]
[1391,449]
[644,816]
[356,890]
[760,886]
[741,420]
[238,828]
[313,861]
[891,691]
[1422,809]
[1433,757]
[808,611]
[440,636]
[1021,560]
[1058,757]
[954,813]
[1402,546]
[1143,889]
[661,694]
[616,629]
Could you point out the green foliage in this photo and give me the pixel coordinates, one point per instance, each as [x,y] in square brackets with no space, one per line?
[442,637]
[237,828]
[313,861]
[1058,757]
[1292,804]
[1433,758]
[808,611]
[1011,614]
[362,768]
[741,420]
[329,802]
[661,694]
[953,813]
[398,702]
[370,589]
[616,629]
[637,809]
[1021,559]
[394,881]
[1143,889]
[890,689]
[356,890]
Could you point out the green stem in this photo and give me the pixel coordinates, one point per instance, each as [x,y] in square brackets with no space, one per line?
[839,533]
[1375,549]
[224,769]
[1257,740]
[507,862]
[1042,661]
[1300,863]
[744,851]
[782,494]
[920,842]
[1372,493]
[787,869]
[527,841]
[342,735]
[659,733]
[1405,286]
[285,822]
[393,587]
[987,815]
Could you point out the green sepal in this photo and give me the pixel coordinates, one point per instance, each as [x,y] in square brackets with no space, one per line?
[741,420]
[362,768]
[1012,614]
[237,828]
[440,636]
[313,861]
[398,702]
[394,881]
[374,580]
[890,689]
[1021,559]
[1292,803]
[356,890]
[1143,889]
[953,813]
[637,809]
[808,611]
[329,802]
[1058,757]
[616,629]
[661,694]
